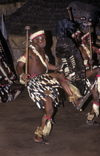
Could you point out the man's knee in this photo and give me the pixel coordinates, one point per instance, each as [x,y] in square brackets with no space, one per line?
[97,70]
[49,111]
[61,76]
[95,97]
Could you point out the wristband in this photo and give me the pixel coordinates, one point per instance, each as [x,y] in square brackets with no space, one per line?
[21,80]
[57,68]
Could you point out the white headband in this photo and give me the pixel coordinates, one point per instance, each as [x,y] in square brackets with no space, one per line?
[38,33]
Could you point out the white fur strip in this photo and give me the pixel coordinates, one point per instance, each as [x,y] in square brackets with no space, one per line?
[96,109]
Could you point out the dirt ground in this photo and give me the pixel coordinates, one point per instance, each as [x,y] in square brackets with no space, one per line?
[70,135]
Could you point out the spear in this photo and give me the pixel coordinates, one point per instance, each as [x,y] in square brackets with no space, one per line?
[26,65]
[89,24]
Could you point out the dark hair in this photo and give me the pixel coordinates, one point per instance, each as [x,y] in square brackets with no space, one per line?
[34,29]
[66,28]
[95,15]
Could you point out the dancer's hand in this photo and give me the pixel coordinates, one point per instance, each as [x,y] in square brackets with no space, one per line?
[90,61]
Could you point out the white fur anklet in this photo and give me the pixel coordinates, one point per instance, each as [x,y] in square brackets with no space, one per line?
[90,116]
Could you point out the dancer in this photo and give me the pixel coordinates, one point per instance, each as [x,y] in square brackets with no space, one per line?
[9,89]
[42,86]
[92,72]
[70,30]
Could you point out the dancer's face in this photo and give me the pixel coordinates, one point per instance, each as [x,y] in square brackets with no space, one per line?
[41,41]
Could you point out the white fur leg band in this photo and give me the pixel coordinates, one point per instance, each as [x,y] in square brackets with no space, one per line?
[98,82]
[96,108]
[47,127]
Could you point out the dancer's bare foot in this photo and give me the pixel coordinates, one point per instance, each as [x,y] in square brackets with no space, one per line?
[39,140]
[80,102]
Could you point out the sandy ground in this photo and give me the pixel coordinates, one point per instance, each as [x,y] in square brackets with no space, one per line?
[70,135]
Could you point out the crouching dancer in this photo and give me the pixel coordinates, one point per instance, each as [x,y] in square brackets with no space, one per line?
[42,87]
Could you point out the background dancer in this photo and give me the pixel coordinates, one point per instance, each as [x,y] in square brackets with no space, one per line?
[70,30]
[9,86]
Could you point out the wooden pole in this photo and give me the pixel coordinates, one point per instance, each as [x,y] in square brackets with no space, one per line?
[89,24]
[26,65]
[69,12]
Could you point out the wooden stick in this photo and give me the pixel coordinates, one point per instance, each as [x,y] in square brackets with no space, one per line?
[69,12]
[26,65]
[89,24]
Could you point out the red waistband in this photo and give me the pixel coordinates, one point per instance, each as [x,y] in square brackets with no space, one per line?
[97,76]
[33,76]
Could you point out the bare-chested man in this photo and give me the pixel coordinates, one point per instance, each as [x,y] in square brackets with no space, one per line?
[69,29]
[42,87]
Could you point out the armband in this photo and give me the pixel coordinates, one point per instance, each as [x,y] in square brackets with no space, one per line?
[57,68]
[22,59]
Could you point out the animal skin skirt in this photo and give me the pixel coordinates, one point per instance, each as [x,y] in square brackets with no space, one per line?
[42,86]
